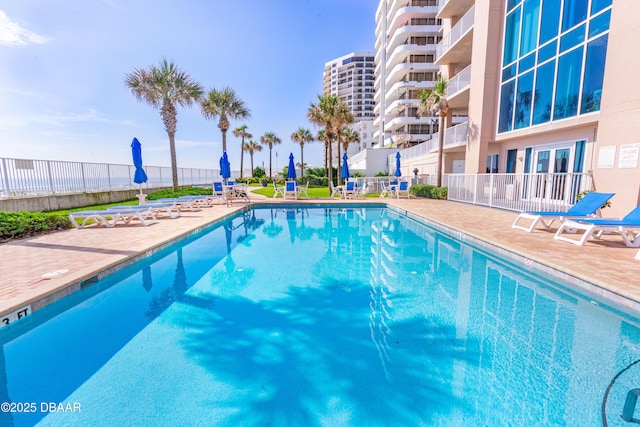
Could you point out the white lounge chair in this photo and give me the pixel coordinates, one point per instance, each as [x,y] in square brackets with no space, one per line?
[628,228]
[335,190]
[303,190]
[403,189]
[110,217]
[361,189]
[584,208]
[290,190]
[384,190]
[349,191]
[170,209]
[277,190]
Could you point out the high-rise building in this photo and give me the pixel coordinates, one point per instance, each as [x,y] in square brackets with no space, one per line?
[406,37]
[351,78]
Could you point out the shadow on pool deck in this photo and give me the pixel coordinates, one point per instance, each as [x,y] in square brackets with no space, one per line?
[71,257]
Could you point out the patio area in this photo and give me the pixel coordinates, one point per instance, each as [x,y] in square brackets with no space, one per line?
[39,270]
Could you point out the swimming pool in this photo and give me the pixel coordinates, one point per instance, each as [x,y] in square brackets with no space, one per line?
[320,316]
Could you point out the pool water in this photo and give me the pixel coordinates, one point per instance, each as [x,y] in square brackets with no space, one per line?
[296,316]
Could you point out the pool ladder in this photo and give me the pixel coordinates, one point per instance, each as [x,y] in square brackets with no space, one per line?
[630,405]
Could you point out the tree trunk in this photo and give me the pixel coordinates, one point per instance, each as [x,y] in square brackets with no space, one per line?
[174,162]
[270,176]
[301,160]
[224,141]
[339,170]
[439,166]
[241,156]
[251,164]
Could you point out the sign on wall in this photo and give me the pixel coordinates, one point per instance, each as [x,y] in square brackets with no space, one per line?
[628,156]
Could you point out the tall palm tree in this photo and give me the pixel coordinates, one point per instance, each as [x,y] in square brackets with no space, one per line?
[164,87]
[242,132]
[270,139]
[251,147]
[302,136]
[329,113]
[322,136]
[343,117]
[435,102]
[226,105]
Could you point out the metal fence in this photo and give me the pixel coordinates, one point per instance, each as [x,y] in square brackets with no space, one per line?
[28,178]
[519,192]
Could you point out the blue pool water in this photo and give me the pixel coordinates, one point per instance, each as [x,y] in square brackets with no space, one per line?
[328,317]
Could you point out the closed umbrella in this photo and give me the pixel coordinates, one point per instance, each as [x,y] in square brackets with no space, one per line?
[345,167]
[140,175]
[291,170]
[398,173]
[225,167]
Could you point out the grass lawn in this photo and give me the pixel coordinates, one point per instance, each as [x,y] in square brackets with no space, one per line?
[314,192]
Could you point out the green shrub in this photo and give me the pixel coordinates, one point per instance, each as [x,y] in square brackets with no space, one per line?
[258,172]
[429,191]
[16,225]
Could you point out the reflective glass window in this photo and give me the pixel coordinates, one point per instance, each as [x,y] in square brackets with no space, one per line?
[527,63]
[547,52]
[568,84]
[594,75]
[530,20]
[509,72]
[598,5]
[506,107]
[550,20]
[572,38]
[512,35]
[524,97]
[599,24]
[512,3]
[574,12]
[543,95]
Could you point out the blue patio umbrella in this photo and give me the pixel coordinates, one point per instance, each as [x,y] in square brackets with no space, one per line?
[140,175]
[225,167]
[291,171]
[397,172]
[345,167]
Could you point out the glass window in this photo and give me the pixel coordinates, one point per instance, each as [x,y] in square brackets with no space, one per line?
[512,35]
[550,19]
[568,84]
[506,107]
[598,5]
[492,163]
[527,63]
[512,155]
[530,17]
[574,12]
[543,95]
[593,75]
[509,72]
[547,52]
[524,96]
[571,39]
[512,3]
[599,24]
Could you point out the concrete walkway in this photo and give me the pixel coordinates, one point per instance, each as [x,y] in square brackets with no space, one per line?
[39,270]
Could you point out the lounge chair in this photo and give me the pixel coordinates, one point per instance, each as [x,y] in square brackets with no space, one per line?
[170,209]
[303,190]
[384,189]
[290,189]
[335,190]
[277,190]
[110,217]
[403,189]
[628,227]
[361,189]
[183,202]
[584,208]
[349,191]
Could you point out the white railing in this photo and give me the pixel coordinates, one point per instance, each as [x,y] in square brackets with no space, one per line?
[460,81]
[456,33]
[27,178]
[519,192]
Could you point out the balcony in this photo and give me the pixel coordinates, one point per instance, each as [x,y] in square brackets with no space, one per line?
[450,8]
[455,46]
[458,89]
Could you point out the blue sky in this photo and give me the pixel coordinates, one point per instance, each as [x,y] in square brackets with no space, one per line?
[62,95]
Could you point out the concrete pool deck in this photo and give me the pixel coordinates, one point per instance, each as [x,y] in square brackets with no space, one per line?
[39,270]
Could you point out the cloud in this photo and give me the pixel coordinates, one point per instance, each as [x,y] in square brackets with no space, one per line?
[12,34]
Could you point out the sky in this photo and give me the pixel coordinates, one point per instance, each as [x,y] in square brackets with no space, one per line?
[63,65]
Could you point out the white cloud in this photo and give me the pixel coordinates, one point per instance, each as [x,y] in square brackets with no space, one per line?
[12,34]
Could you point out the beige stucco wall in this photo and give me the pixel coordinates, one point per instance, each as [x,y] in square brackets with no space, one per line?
[620,108]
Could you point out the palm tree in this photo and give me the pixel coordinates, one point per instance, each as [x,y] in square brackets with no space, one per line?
[269,139]
[242,132]
[302,136]
[322,136]
[225,104]
[251,147]
[164,87]
[343,117]
[435,102]
[349,136]
[331,113]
